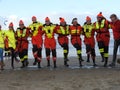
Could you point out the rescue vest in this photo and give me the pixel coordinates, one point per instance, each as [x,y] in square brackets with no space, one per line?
[88,30]
[23,34]
[75,30]
[101,25]
[49,30]
[1,39]
[63,31]
[35,27]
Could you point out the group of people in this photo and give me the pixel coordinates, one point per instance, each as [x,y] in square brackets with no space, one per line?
[17,41]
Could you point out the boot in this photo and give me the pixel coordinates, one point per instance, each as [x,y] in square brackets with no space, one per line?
[102,58]
[39,66]
[65,62]
[106,61]
[55,64]
[80,63]
[23,65]
[35,62]
[48,63]
[94,64]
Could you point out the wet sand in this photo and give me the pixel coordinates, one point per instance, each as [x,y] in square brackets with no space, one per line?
[62,78]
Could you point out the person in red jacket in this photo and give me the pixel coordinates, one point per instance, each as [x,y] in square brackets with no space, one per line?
[37,41]
[103,37]
[63,31]
[49,41]
[88,32]
[115,25]
[22,34]
[75,32]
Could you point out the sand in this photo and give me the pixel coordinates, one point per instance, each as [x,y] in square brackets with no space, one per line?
[62,78]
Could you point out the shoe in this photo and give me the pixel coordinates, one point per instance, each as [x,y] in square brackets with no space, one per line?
[65,62]
[34,63]
[95,65]
[55,64]
[48,63]
[112,65]
[39,66]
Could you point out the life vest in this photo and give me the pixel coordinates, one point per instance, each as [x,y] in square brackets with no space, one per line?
[1,39]
[35,27]
[63,30]
[21,34]
[49,30]
[75,30]
[88,30]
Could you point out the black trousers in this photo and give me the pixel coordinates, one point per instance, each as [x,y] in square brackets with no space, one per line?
[65,50]
[116,44]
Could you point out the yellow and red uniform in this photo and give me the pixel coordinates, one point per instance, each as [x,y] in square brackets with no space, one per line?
[75,32]
[37,41]
[49,41]
[103,36]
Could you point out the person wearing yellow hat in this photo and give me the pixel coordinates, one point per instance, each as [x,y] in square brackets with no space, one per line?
[63,31]
[2,44]
[88,32]
[11,42]
[49,41]
[22,34]
[76,32]
[103,36]
[37,41]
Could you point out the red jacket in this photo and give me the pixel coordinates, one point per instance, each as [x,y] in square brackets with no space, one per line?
[116,29]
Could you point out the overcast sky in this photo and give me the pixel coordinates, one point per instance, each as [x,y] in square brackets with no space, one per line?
[14,10]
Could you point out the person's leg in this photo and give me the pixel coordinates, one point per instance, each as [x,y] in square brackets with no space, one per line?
[78,49]
[88,51]
[39,57]
[116,44]
[1,59]
[106,49]
[34,50]
[48,56]
[93,55]
[101,49]
[66,51]
[12,57]
[54,57]
[21,55]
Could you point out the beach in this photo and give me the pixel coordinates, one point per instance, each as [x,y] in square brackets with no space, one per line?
[61,78]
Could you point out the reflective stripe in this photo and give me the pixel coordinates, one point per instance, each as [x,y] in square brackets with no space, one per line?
[65,51]
[101,50]
[106,55]
[25,57]
[78,51]
[75,31]
[23,34]
[101,25]
[63,31]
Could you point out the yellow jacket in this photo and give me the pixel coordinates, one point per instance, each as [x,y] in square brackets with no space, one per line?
[1,39]
[11,38]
